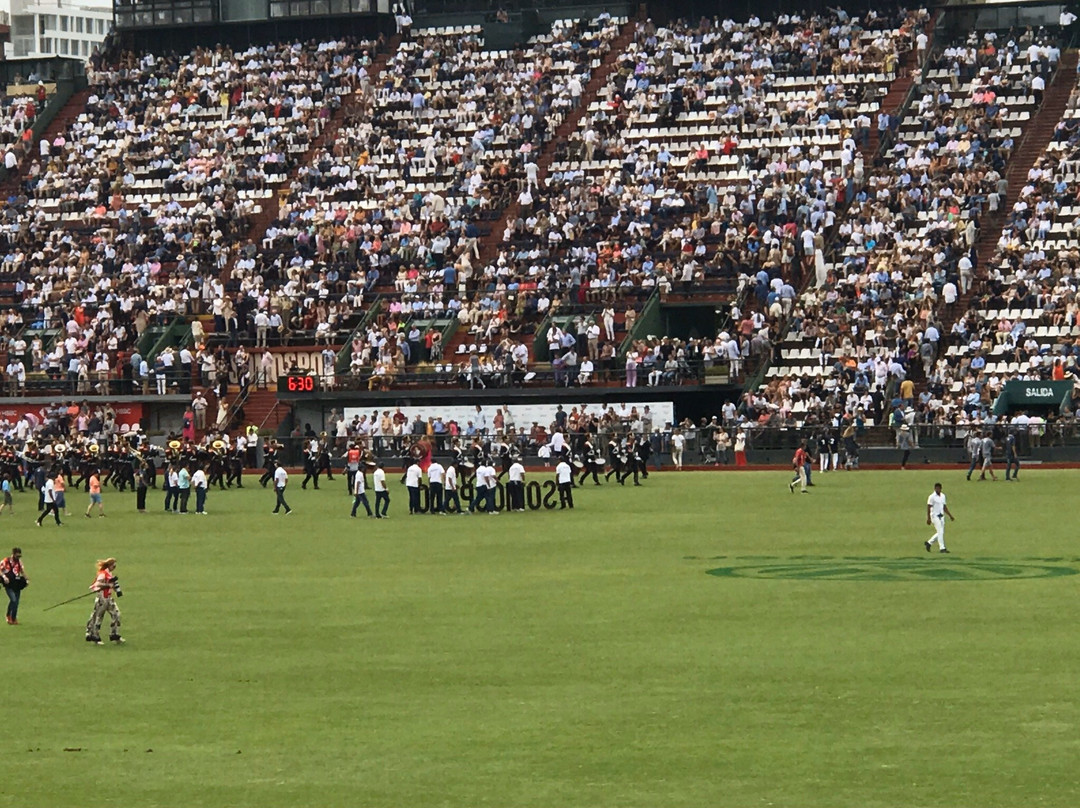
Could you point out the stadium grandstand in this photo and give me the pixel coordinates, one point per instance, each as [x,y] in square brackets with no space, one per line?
[834,223]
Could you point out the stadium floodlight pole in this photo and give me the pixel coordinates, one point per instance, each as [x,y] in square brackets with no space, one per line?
[72,600]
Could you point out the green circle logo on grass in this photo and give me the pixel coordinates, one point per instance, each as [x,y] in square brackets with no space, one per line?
[932,568]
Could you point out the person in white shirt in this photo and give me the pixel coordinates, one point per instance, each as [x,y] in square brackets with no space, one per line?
[492,485]
[48,492]
[281,479]
[483,496]
[515,488]
[678,441]
[479,487]
[450,490]
[564,477]
[412,482]
[435,474]
[172,490]
[262,326]
[557,444]
[198,482]
[378,482]
[359,491]
[936,511]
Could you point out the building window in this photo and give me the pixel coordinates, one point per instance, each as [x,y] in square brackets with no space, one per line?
[63,46]
[78,25]
[63,23]
[45,44]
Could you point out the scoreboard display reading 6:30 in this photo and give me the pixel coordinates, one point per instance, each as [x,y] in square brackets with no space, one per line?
[296,384]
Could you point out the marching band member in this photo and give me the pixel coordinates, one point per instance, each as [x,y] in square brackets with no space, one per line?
[311,460]
[589,457]
[322,460]
[105,585]
[617,460]
[270,453]
[141,484]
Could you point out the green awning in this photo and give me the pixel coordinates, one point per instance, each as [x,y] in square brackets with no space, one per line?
[1021,395]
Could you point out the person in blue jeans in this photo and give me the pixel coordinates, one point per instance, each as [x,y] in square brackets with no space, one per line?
[13,577]
[5,488]
[360,493]
[183,479]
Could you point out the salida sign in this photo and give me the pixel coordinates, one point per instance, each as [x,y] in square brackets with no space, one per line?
[1033,393]
[538,496]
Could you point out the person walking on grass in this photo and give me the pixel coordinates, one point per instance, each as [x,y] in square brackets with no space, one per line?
[988,458]
[59,487]
[281,480]
[936,511]
[382,495]
[48,497]
[5,487]
[13,578]
[107,588]
[799,464]
[1012,459]
[94,484]
[359,490]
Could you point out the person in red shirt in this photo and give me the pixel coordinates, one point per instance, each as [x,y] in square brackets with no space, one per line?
[106,586]
[799,461]
[13,577]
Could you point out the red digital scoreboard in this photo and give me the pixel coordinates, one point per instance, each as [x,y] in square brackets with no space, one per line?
[296,384]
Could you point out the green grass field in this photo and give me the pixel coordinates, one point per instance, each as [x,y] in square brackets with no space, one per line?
[547,659]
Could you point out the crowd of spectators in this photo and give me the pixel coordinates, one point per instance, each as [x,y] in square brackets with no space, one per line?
[905,249]
[19,108]
[430,152]
[695,169]
[127,219]
[719,156]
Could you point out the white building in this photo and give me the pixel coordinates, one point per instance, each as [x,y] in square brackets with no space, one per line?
[56,27]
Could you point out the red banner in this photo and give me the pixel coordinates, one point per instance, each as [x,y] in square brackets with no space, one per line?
[127,413]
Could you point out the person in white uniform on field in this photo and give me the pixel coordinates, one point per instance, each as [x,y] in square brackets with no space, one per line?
[936,511]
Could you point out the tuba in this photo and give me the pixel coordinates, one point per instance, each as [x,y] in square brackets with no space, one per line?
[368,462]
